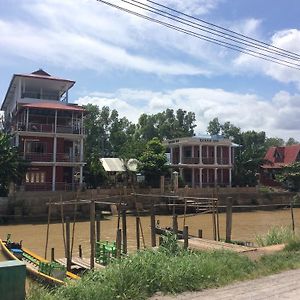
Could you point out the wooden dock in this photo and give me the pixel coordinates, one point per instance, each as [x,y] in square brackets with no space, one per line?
[204,244]
[79,263]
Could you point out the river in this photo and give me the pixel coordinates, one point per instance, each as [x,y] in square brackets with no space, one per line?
[246,226]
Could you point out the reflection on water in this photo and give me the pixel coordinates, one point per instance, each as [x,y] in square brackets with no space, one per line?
[245,227]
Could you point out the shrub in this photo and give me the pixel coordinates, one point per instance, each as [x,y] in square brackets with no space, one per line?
[276,235]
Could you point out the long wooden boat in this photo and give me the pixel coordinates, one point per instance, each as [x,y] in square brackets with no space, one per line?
[32,262]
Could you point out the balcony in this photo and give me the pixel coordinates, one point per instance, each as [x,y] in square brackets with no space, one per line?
[38,95]
[48,157]
[223,160]
[190,160]
[208,160]
[49,128]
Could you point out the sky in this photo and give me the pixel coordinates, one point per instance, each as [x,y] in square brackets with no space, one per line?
[136,66]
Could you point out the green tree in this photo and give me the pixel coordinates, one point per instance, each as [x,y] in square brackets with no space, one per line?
[290,176]
[153,162]
[291,141]
[12,167]
[274,142]
[214,127]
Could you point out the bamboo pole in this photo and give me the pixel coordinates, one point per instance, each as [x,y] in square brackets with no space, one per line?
[228,219]
[185,237]
[124,230]
[52,254]
[292,215]
[118,243]
[68,250]
[63,225]
[80,251]
[137,226]
[175,225]
[48,228]
[152,223]
[214,220]
[92,233]
[217,219]
[98,226]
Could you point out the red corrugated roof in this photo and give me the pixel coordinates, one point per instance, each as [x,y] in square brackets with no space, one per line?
[53,105]
[281,156]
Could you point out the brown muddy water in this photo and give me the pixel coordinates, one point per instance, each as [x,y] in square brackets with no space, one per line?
[246,226]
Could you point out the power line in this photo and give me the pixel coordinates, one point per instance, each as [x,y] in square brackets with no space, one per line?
[226,43]
[212,31]
[223,28]
[206,38]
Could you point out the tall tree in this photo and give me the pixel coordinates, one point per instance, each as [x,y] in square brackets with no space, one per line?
[12,167]
[214,127]
[291,141]
[153,162]
[274,142]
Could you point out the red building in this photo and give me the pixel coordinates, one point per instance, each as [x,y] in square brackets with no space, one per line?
[47,129]
[276,158]
[202,161]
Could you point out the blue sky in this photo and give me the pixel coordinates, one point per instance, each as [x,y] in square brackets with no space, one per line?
[136,66]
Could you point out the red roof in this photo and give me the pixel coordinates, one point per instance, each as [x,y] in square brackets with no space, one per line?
[281,156]
[54,105]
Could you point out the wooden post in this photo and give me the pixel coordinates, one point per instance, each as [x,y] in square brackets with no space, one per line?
[162,184]
[124,230]
[200,233]
[80,251]
[217,219]
[68,239]
[52,254]
[98,220]
[175,224]
[185,237]
[137,226]
[48,228]
[92,233]
[118,243]
[160,240]
[152,223]
[228,219]
[292,215]
[214,220]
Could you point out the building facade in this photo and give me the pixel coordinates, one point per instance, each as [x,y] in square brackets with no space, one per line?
[48,131]
[202,161]
[275,159]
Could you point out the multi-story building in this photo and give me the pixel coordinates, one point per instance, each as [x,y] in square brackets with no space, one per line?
[275,159]
[202,161]
[48,131]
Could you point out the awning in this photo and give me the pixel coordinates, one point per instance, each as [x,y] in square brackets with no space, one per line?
[117,164]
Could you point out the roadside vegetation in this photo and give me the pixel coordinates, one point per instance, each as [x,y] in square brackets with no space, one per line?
[170,269]
[276,235]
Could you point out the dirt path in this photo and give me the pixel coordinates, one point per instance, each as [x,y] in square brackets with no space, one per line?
[285,285]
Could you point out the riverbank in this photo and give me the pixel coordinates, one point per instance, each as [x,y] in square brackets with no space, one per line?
[147,272]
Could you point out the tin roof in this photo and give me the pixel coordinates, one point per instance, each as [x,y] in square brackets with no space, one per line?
[117,164]
[53,105]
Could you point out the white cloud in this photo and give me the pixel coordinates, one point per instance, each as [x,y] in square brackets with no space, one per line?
[278,117]
[285,39]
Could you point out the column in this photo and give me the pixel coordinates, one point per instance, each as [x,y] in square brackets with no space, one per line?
[200,155]
[81,150]
[230,177]
[222,176]
[53,177]
[193,152]
[193,177]
[181,172]
[221,155]
[81,176]
[27,119]
[17,140]
[216,176]
[200,177]
[171,155]
[55,121]
[180,154]
[215,154]
[229,153]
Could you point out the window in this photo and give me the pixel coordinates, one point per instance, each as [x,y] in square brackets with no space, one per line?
[35,177]
[36,147]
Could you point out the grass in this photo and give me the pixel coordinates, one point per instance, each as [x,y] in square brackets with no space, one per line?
[170,270]
[276,235]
